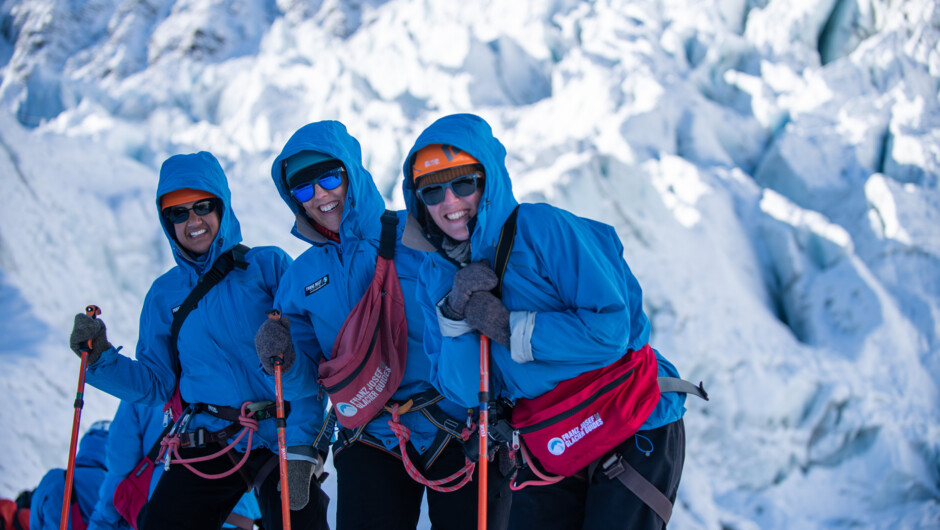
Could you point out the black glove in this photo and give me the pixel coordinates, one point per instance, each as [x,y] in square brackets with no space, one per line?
[477,276]
[299,475]
[85,328]
[488,315]
[273,340]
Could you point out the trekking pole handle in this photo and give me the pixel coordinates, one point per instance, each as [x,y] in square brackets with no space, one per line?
[92,311]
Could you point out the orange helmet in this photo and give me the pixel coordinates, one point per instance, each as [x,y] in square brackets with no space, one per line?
[182,196]
[435,157]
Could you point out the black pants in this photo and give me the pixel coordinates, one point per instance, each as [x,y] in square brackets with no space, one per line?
[604,503]
[184,500]
[374,491]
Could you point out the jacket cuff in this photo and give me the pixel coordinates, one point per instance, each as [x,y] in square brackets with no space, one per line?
[450,328]
[107,357]
[521,326]
[306,453]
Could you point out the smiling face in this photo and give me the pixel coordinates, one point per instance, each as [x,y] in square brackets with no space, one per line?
[453,213]
[326,206]
[197,232]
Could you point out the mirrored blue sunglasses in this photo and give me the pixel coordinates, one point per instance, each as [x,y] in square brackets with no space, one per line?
[328,180]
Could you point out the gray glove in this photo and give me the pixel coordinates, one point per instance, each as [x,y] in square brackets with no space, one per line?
[299,473]
[477,276]
[488,315]
[273,340]
[299,476]
[85,328]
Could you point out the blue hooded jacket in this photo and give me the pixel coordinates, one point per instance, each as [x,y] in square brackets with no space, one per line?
[338,274]
[574,304]
[45,510]
[216,341]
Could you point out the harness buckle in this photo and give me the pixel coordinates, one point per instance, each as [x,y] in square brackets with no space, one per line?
[258,406]
[612,465]
[199,440]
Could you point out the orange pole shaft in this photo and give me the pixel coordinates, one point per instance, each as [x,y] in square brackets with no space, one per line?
[92,311]
[482,461]
[73,445]
[282,446]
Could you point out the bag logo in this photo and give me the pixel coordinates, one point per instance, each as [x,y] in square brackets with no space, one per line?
[557,446]
[346,409]
[317,285]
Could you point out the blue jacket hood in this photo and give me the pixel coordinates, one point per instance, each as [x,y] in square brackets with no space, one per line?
[363,205]
[199,171]
[92,449]
[469,133]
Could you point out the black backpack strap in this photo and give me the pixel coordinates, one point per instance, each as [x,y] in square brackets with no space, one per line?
[503,248]
[389,231]
[222,266]
[234,258]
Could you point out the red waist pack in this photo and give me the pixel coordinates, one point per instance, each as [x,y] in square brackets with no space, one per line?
[584,417]
[132,492]
[369,355]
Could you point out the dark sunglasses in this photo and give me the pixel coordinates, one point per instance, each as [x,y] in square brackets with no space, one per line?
[328,180]
[179,214]
[462,187]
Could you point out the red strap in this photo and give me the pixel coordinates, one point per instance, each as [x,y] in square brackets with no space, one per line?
[171,446]
[404,434]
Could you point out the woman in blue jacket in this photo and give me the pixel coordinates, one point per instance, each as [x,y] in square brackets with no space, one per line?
[569,305]
[218,367]
[45,510]
[338,208]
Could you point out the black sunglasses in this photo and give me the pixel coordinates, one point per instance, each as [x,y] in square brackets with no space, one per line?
[462,187]
[179,214]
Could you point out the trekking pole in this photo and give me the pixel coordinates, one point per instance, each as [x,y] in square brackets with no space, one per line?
[281,424]
[92,311]
[484,424]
